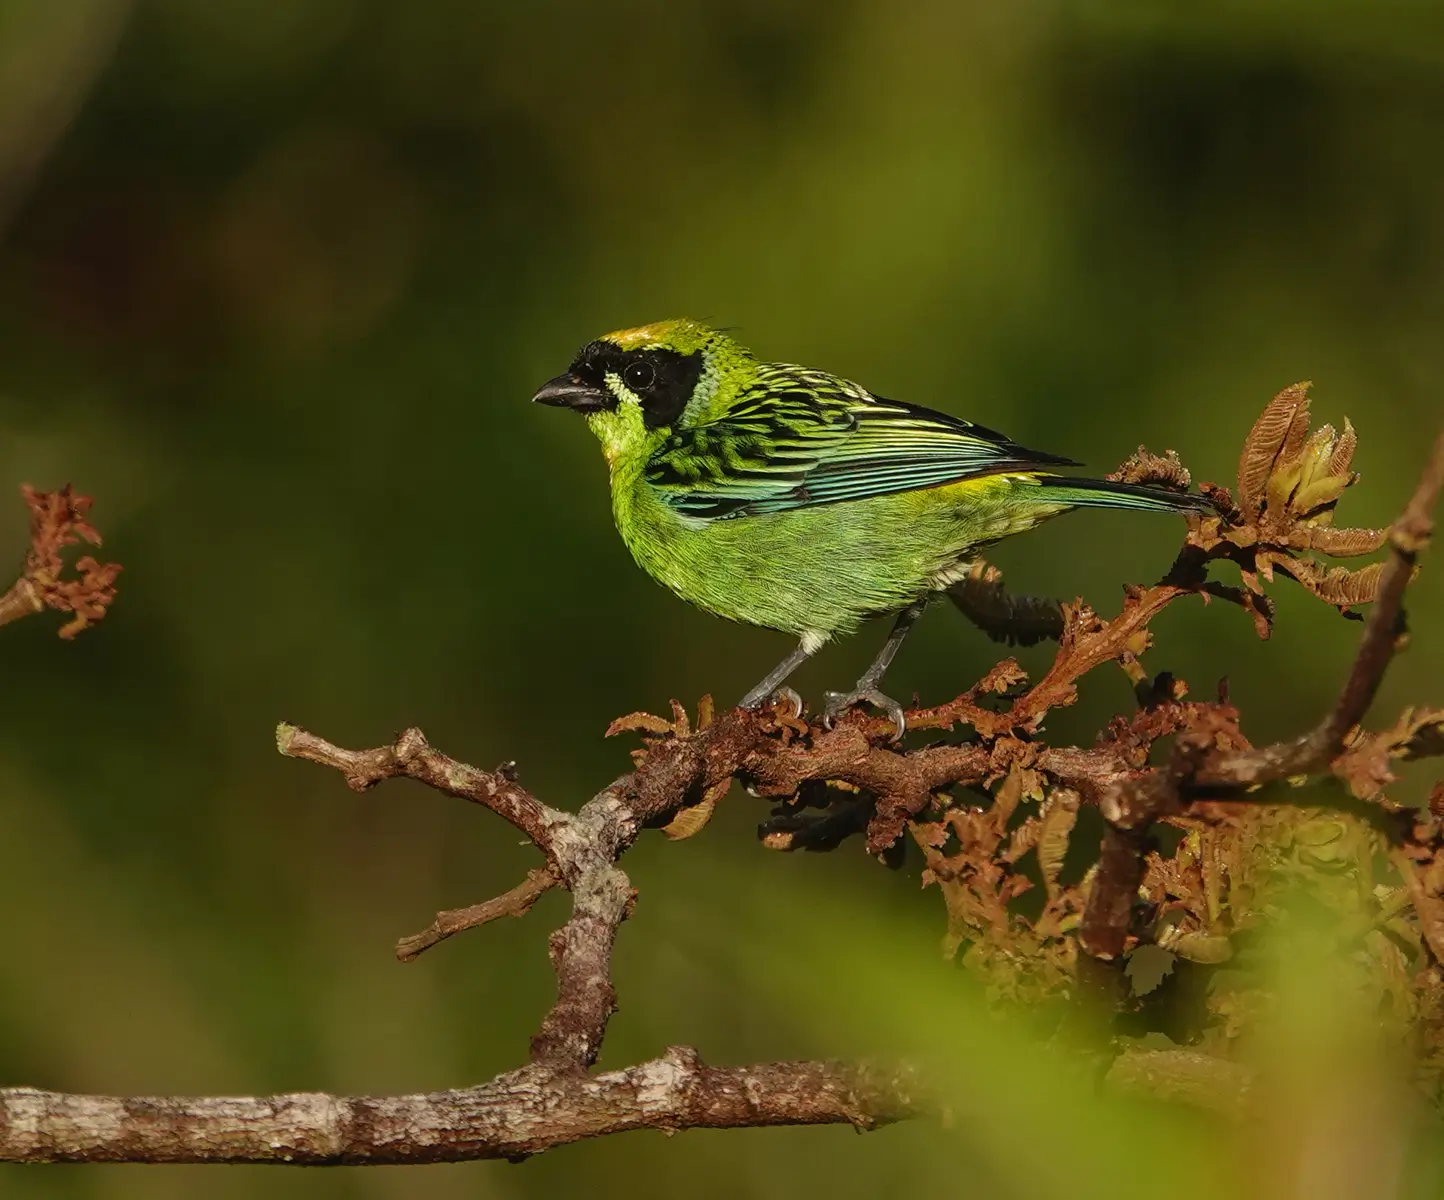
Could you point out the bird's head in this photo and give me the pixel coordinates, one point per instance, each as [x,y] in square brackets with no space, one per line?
[637,385]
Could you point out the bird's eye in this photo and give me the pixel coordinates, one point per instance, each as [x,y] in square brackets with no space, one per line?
[639,376]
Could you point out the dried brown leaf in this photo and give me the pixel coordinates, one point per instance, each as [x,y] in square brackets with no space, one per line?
[1291,458]
[1059,815]
[1162,470]
[1024,838]
[1343,543]
[639,722]
[1277,435]
[1002,678]
[1340,586]
[681,726]
[1365,764]
[1342,457]
[693,819]
[930,835]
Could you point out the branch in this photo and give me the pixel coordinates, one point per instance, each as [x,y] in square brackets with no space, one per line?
[515,903]
[21,600]
[412,757]
[513,1116]
[551,1101]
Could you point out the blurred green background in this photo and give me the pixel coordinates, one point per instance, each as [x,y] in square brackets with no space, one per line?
[276,282]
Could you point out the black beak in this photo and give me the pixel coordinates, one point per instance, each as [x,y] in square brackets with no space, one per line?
[567,391]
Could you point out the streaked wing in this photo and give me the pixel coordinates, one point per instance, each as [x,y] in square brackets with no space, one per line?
[801,438]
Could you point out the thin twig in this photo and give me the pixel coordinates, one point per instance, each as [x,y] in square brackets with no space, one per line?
[21,600]
[515,903]
[411,756]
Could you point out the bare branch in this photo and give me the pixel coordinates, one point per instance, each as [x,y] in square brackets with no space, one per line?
[515,1115]
[547,1103]
[515,903]
[412,757]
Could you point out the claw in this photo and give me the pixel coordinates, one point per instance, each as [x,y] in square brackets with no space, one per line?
[839,702]
[781,695]
[792,696]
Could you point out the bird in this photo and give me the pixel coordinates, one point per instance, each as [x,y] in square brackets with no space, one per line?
[790,498]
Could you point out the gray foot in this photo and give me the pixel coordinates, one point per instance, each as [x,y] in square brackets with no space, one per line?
[839,702]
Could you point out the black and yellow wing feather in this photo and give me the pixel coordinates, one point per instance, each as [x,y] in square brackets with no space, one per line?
[799,438]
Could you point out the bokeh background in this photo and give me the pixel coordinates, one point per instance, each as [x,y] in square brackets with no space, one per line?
[276,282]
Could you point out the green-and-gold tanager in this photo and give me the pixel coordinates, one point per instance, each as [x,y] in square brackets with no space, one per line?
[786,497]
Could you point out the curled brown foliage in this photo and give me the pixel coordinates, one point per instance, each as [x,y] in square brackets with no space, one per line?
[1289,484]
[59,521]
[1160,470]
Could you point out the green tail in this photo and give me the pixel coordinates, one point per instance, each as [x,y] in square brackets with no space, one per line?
[1104,493]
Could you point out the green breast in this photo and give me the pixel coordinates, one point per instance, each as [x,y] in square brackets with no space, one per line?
[815,570]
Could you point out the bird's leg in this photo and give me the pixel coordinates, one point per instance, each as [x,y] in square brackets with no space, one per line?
[772,685]
[867,688]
